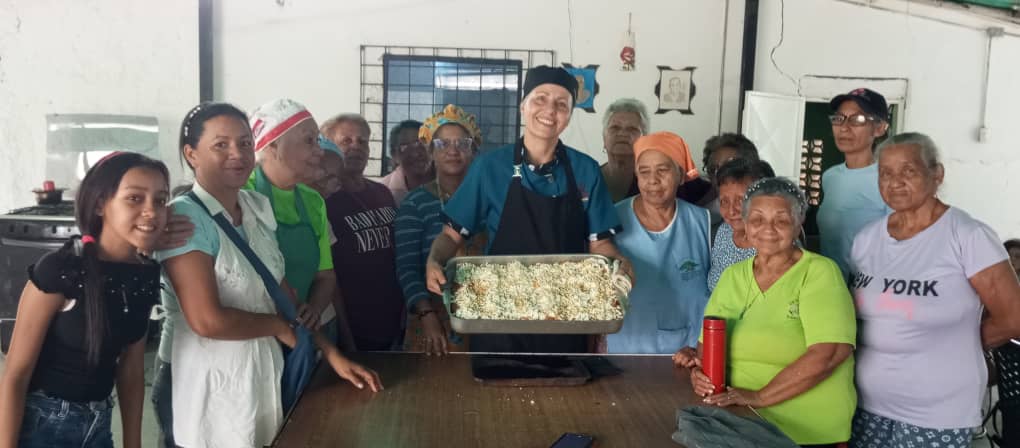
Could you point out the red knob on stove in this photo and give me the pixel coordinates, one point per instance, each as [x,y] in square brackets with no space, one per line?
[49,186]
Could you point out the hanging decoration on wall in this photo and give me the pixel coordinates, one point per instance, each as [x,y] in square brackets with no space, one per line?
[675,89]
[627,54]
[587,85]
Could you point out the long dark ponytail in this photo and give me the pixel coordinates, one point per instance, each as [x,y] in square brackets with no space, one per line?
[99,185]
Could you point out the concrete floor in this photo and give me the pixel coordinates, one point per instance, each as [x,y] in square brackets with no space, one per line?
[150,432]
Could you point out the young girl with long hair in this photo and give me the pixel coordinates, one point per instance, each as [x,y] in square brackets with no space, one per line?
[83,315]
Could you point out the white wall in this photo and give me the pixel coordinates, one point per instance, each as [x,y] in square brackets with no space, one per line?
[139,57]
[89,56]
[945,66]
[309,50]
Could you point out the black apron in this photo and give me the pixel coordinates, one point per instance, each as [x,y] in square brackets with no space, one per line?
[534,224]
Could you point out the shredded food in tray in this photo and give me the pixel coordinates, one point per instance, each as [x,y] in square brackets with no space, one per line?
[573,290]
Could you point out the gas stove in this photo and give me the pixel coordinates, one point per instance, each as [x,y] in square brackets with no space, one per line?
[39,223]
[74,143]
[62,209]
[25,235]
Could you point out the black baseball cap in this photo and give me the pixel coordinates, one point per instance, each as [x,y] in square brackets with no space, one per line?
[870,101]
[544,74]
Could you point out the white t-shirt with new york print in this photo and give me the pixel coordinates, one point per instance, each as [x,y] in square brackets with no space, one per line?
[919,354]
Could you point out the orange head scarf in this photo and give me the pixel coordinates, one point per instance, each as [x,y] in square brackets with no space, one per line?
[671,145]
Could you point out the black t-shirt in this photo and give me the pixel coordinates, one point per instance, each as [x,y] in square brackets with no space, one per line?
[131,290]
[364,260]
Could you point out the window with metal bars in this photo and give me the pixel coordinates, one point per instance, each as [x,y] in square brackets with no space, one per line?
[401,83]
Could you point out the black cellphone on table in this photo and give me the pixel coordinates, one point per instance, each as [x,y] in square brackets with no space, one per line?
[572,440]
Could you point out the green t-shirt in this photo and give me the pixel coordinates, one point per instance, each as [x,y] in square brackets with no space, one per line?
[768,331]
[286,213]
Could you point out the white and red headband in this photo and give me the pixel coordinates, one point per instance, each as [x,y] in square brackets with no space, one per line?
[275,118]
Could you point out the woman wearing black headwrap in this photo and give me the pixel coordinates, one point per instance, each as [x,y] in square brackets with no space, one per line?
[537,196]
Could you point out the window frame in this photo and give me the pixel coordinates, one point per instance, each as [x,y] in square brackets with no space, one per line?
[374,98]
[389,58]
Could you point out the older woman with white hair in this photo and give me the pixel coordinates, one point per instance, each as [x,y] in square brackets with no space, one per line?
[622,124]
[624,121]
[289,156]
[790,326]
[666,239]
[361,214]
[933,286]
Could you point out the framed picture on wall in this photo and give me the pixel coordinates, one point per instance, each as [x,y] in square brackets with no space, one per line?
[675,90]
[587,85]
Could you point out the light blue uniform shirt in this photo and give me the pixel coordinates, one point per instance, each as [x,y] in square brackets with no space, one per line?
[478,202]
[850,201]
[671,266]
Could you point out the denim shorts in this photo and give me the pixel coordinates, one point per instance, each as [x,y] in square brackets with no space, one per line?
[52,422]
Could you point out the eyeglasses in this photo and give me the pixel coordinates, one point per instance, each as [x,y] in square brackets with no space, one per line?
[411,145]
[855,120]
[461,144]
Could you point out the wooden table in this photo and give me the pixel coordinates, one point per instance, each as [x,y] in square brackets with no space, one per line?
[435,402]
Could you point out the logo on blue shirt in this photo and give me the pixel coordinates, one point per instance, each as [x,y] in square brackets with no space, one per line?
[689,266]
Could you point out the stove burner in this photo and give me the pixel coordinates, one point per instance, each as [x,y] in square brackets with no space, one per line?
[65,208]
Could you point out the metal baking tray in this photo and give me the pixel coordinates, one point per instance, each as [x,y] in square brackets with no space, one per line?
[476,326]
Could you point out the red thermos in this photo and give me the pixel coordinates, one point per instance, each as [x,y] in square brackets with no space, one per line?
[713,351]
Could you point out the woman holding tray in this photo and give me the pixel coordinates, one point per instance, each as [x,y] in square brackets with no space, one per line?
[537,196]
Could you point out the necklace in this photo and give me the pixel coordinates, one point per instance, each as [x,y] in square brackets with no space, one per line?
[123,297]
[443,197]
[472,243]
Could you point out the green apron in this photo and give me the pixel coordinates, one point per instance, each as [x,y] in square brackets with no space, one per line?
[297,242]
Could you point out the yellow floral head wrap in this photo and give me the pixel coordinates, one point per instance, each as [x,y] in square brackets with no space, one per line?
[450,115]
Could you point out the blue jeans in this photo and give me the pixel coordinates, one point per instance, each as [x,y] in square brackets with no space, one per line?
[162,403]
[53,422]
